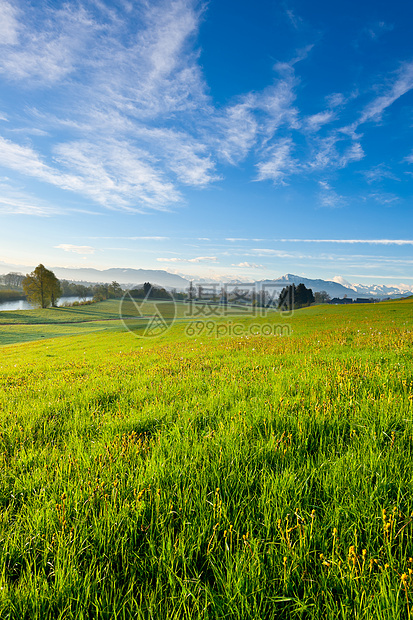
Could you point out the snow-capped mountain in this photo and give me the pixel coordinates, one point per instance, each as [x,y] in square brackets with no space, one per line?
[339,287]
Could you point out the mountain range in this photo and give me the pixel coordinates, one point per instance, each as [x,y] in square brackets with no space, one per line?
[127,276]
[342,288]
[339,287]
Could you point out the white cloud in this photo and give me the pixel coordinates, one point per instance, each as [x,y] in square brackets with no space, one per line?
[353,153]
[279,163]
[145,238]
[399,87]
[77,249]
[351,241]
[238,130]
[48,54]
[26,161]
[271,252]
[384,198]
[182,154]
[14,201]
[276,101]
[379,172]
[328,197]
[335,100]
[327,155]
[316,121]
[117,175]
[235,239]
[198,259]
[325,152]
[8,24]
[246,265]
[295,19]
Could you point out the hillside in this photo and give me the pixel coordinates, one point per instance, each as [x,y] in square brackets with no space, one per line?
[198,477]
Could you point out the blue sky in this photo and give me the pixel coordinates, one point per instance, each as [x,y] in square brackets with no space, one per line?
[217,139]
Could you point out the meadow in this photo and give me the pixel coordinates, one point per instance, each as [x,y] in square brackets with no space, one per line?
[241,477]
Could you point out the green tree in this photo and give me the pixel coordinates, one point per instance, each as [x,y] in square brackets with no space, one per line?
[115,290]
[82,291]
[321,297]
[41,287]
[100,292]
[303,296]
[13,279]
[295,297]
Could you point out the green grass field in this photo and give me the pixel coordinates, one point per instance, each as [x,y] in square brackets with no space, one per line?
[240,477]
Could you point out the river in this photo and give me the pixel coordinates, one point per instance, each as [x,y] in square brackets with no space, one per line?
[22,304]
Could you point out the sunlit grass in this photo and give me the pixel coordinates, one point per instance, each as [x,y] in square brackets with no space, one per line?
[244,477]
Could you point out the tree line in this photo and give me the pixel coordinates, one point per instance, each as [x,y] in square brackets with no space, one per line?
[42,288]
[294,297]
[151,291]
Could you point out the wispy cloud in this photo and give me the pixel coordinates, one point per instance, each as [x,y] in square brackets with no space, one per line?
[132,86]
[198,259]
[316,121]
[46,54]
[375,30]
[112,177]
[409,158]
[16,201]
[384,198]
[270,252]
[378,173]
[328,197]
[77,249]
[278,163]
[117,175]
[8,24]
[237,130]
[144,238]
[352,241]
[131,123]
[396,88]
[246,265]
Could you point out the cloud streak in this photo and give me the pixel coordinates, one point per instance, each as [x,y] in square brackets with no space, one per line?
[198,259]
[77,249]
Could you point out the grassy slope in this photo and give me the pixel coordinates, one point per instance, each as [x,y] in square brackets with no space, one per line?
[203,478]
[93,312]
[20,326]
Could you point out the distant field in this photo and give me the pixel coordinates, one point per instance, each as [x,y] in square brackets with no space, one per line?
[28,325]
[93,312]
[241,477]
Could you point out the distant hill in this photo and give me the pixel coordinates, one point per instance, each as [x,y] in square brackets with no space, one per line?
[128,276]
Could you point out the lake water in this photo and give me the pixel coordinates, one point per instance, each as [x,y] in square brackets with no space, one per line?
[22,304]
